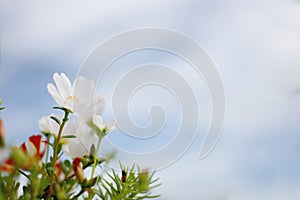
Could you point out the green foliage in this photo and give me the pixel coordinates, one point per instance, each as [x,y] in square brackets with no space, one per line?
[8,187]
[60,178]
[138,185]
[131,185]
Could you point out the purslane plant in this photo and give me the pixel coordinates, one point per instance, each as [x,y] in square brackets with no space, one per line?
[38,169]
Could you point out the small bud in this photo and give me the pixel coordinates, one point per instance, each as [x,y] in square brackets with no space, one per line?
[93,150]
[2,139]
[78,169]
[123,176]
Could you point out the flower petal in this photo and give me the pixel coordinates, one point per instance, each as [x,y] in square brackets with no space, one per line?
[24,148]
[63,85]
[48,125]
[83,89]
[95,107]
[36,141]
[54,93]
[99,104]
[98,121]
[111,126]
[80,146]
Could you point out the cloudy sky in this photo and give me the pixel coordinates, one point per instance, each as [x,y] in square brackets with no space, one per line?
[254,44]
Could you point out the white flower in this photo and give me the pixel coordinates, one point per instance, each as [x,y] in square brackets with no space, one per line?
[73,147]
[105,127]
[81,145]
[95,107]
[48,125]
[73,97]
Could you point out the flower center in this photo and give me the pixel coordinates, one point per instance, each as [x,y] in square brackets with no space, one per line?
[73,98]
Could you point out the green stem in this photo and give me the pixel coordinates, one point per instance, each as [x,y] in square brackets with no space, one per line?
[96,156]
[47,151]
[56,142]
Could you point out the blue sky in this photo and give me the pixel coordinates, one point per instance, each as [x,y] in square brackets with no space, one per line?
[255,45]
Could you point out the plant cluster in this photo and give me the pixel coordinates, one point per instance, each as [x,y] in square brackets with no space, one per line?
[53,164]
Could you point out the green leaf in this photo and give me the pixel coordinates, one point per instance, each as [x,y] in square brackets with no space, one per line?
[49,168]
[68,163]
[62,108]
[58,108]
[59,148]
[64,167]
[50,144]
[69,136]
[56,120]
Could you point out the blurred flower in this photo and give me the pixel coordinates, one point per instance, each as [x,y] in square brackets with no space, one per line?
[73,97]
[48,125]
[26,156]
[73,147]
[103,126]
[82,143]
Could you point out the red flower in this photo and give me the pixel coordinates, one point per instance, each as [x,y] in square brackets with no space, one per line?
[26,156]
[8,166]
[36,141]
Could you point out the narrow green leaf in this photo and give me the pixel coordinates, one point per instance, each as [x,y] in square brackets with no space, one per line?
[59,148]
[56,120]
[68,163]
[69,136]
[58,108]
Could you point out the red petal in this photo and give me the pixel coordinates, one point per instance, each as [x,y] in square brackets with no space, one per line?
[9,162]
[41,154]
[24,148]
[76,162]
[36,141]
[8,166]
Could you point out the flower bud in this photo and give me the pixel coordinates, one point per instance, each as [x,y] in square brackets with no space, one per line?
[78,169]
[124,176]
[2,141]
